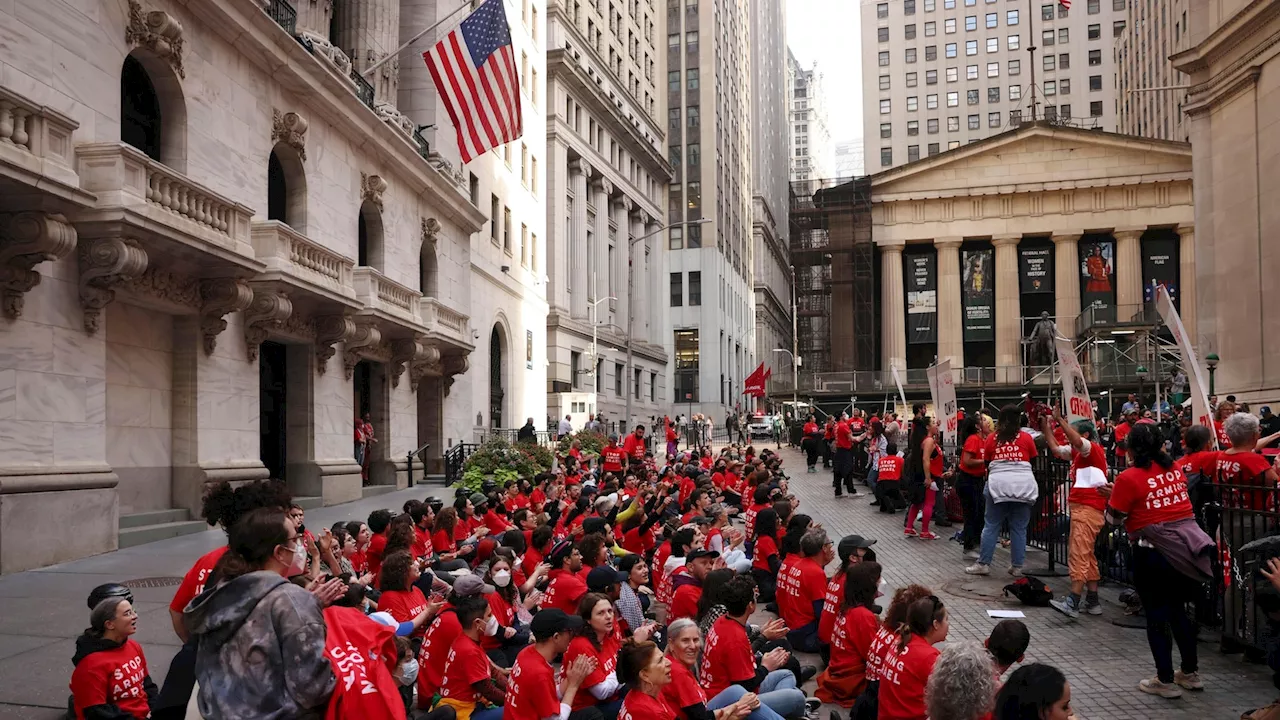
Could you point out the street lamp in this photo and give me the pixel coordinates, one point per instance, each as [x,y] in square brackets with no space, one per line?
[595,325]
[1211,361]
[1141,372]
[631,297]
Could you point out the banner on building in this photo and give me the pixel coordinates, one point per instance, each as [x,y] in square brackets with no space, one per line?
[978,297]
[942,390]
[921,270]
[1075,393]
[1098,278]
[1160,269]
[1199,401]
[1035,269]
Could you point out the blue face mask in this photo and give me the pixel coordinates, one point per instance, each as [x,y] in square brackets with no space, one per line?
[407,673]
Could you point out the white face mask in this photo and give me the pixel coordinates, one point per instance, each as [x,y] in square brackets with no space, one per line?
[299,562]
[502,578]
[491,627]
[408,672]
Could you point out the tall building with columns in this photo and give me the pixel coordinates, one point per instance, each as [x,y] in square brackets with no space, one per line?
[708,293]
[975,244]
[225,235]
[606,191]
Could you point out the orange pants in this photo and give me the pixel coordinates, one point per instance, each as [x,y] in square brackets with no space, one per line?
[1086,522]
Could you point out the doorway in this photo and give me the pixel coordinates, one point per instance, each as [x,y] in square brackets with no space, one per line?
[273,407]
[496,389]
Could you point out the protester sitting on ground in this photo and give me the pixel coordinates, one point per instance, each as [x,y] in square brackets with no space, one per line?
[111,678]
[688,586]
[772,635]
[565,586]
[633,603]
[1034,692]
[797,525]
[1007,644]
[597,639]
[905,671]
[400,598]
[440,635]
[766,563]
[260,639]
[729,548]
[729,659]
[470,686]
[851,550]
[1011,491]
[645,672]
[379,522]
[855,627]
[508,636]
[686,696]
[961,686]
[1087,505]
[802,586]
[532,690]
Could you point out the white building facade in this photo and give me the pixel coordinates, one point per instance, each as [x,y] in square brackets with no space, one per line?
[1149,98]
[812,153]
[940,73]
[709,288]
[222,245]
[606,184]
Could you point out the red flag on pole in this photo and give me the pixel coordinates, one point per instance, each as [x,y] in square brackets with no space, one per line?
[754,384]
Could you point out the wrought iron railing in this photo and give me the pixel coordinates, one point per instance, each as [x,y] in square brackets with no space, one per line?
[364,89]
[424,147]
[454,459]
[284,14]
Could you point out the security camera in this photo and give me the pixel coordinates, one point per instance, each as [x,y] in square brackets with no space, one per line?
[506,268]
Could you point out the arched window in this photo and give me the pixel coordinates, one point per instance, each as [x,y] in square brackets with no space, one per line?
[286,188]
[429,281]
[370,253]
[496,390]
[153,114]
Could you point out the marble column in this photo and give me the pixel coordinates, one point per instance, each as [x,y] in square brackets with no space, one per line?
[635,256]
[1128,271]
[367,31]
[601,190]
[580,173]
[622,207]
[1187,280]
[1008,309]
[893,327]
[559,227]
[1066,280]
[950,310]
[649,250]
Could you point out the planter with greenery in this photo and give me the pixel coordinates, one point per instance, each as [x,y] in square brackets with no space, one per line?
[501,461]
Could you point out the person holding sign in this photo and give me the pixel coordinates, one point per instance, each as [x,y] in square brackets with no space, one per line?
[1088,473]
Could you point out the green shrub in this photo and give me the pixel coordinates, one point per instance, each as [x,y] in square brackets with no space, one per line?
[501,461]
[591,443]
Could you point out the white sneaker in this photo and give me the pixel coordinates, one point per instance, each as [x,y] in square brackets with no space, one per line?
[1188,681]
[1153,686]
[1015,571]
[978,569]
[972,554]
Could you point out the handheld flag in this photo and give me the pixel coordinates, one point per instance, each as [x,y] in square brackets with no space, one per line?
[474,70]
[754,384]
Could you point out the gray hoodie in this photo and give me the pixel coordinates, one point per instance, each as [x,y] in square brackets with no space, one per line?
[260,649]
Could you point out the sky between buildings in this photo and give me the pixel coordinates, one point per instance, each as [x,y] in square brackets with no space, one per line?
[829,32]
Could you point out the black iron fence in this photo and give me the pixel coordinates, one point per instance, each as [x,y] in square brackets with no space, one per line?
[454,458]
[283,13]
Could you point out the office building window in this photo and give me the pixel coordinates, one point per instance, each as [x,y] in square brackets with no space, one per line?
[1010,17]
[673,81]
[975,122]
[882,10]
[1047,37]
[1050,88]
[970,23]
[913,103]
[1095,57]
[693,234]
[993,45]
[1015,117]
[886,157]
[884,85]
[1062,11]
[908,7]
[931,101]
[949,25]
[1065,112]
[653,387]
[913,153]
[931,52]
[1012,42]
[933,149]
[992,20]
[1050,62]
[1095,7]
[953,123]
[970,47]
[953,74]
[909,31]
[911,79]
[886,130]
[692,74]
[687,366]
[971,97]
[932,126]
[1117,4]
[1015,92]
[930,29]
[493,219]
[910,55]
[950,50]
[883,58]
[1064,86]
[1064,61]
[1050,112]
[993,94]
[1015,67]
[1046,12]
[913,128]
[953,144]
[953,99]
[993,120]
[1064,35]
[1095,32]
[695,289]
[930,5]
[676,234]
[1095,82]
[993,69]
[884,107]
[677,289]
[882,34]
[971,72]
[930,77]
[1117,28]
[948,4]
[1095,108]
[506,229]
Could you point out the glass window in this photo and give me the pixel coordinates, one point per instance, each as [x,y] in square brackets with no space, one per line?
[883,58]
[993,20]
[911,79]
[913,103]
[931,101]
[931,52]
[693,154]
[970,23]
[975,122]
[886,157]
[913,153]
[1010,17]
[882,10]
[1064,61]
[930,77]
[1064,86]
[913,127]
[953,123]
[970,3]
[1046,12]
[953,144]
[1015,67]
[1095,57]
[1095,32]
[911,55]
[886,130]
[909,31]
[948,4]
[1012,42]
[930,29]
[953,74]
[1117,4]
[1015,117]
[1047,36]
[695,288]
[971,72]
[993,45]
[1050,112]
[1064,35]
[1015,92]
[933,149]
[1050,62]
[908,7]
[694,202]
[673,40]
[884,85]
[932,126]
[675,238]
[993,94]
[694,232]
[673,81]
[971,97]
[692,74]
[949,25]
[993,69]
[951,50]
[882,34]
[673,119]
[1062,11]
[1050,88]
[1095,7]
[691,41]
[930,5]
[993,121]
[695,117]
[1095,108]
[1117,28]
[1065,112]
[677,289]
[953,99]
[970,47]
[1095,82]
[884,107]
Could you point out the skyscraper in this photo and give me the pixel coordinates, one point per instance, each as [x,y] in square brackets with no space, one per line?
[812,155]
[1147,87]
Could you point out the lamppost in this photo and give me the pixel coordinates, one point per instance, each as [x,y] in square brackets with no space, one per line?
[1141,372]
[631,298]
[1211,361]
[595,325]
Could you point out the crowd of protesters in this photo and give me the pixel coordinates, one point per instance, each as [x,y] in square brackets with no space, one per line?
[614,587]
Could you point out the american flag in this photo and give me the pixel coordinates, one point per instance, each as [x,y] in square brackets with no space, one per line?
[474,69]
[1065,3]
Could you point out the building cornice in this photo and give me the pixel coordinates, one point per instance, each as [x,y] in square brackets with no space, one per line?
[1230,60]
[1228,37]
[1031,188]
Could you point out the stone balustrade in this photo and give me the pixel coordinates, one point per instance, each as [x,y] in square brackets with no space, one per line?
[36,139]
[289,253]
[446,322]
[381,294]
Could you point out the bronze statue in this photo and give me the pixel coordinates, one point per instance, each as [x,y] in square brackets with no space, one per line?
[1041,341]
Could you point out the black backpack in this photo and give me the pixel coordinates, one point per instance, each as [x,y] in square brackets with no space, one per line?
[1030,590]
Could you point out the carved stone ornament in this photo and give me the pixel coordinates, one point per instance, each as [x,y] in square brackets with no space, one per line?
[605,186]
[221,297]
[159,32]
[452,366]
[403,351]
[331,329]
[26,240]
[426,363]
[582,166]
[336,59]
[430,228]
[372,187]
[269,310]
[105,263]
[393,117]
[363,338]
[291,129]
[166,286]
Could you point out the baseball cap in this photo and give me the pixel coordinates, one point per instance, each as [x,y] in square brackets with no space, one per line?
[603,576]
[849,544]
[469,585]
[695,554]
[551,621]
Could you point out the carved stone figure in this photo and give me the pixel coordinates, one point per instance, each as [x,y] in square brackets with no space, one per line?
[1041,341]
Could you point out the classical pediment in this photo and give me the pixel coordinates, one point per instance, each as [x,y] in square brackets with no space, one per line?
[1037,157]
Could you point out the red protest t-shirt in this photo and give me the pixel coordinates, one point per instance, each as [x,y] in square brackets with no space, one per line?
[683,691]
[685,602]
[1150,495]
[496,524]
[851,639]
[881,645]
[467,664]
[640,705]
[810,428]
[749,516]
[1122,431]
[433,655]
[976,446]
[765,548]
[634,446]
[903,678]
[606,662]
[889,468]
[1224,442]
[404,605]
[564,590]
[505,613]
[844,437]
[801,581]
[1020,449]
[661,578]
[634,541]
[531,688]
[193,582]
[832,599]
[1096,458]
[1244,468]
[727,657]
[518,502]
[1205,463]
[112,677]
[362,654]
[422,545]
[444,542]
[613,457]
[374,554]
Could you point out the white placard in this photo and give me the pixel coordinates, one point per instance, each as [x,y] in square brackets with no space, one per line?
[1075,393]
[1191,364]
[1005,614]
[942,388]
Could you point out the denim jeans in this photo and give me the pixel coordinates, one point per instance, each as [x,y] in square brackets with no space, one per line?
[872,474]
[1018,515]
[805,638]
[779,693]
[733,694]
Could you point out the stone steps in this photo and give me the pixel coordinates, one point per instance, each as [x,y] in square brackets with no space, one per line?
[369,491]
[139,535]
[309,502]
[153,517]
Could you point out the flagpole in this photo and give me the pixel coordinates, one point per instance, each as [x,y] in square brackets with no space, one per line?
[396,53]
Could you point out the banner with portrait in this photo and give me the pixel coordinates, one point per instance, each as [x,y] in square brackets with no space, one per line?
[978,295]
[920,272]
[1035,269]
[1098,278]
[1160,269]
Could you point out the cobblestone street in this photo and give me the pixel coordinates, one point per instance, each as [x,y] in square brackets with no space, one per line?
[1102,661]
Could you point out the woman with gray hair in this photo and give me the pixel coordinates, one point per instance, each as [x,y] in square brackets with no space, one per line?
[963,685]
[685,694]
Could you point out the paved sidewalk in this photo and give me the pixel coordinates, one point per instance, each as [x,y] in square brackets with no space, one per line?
[43,611]
[1102,661]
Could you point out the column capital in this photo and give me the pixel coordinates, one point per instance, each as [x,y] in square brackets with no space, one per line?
[602,183]
[1066,236]
[581,166]
[1002,240]
[1132,232]
[1186,230]
[894,248]
[948,243]
[624,202]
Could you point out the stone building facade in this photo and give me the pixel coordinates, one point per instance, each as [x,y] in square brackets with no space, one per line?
[220,245]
